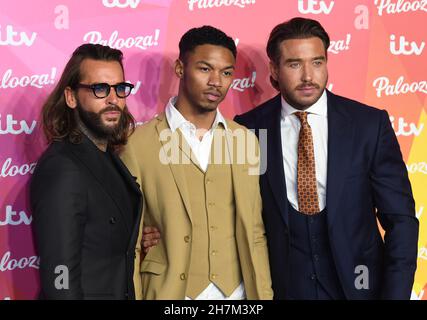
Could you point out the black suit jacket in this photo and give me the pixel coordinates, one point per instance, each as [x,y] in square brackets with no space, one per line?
[366,179]
[80,223]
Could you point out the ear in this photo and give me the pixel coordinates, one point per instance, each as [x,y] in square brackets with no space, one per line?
[274,70]
[70,98]
[179,68]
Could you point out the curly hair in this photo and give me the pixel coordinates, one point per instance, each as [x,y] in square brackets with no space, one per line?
[58,119]
[205,35]
[296,28]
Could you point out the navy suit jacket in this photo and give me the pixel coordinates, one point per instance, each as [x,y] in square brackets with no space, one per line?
[366,179]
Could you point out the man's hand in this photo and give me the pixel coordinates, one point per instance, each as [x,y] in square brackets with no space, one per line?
[150,238]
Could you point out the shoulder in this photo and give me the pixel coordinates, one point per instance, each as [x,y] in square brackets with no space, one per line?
[234,126]
[145,131]
[264,110]
[355,108]
[241,133]
[57,156]
[57,165]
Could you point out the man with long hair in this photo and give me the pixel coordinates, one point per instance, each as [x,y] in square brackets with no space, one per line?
[86,205]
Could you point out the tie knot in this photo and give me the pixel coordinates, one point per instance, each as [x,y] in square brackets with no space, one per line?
[302,116]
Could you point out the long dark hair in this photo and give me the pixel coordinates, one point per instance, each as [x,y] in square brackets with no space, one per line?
[296,28]
[58,119]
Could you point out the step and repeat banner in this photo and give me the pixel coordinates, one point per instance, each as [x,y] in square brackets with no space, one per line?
[377,56]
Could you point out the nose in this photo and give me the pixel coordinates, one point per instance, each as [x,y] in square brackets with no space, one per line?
[112,97]
[215,79]
[307,73]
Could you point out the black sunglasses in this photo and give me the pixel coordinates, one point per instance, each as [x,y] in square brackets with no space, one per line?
[102,90]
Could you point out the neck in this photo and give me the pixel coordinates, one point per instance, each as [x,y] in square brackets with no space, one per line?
[201,119]
[100,143]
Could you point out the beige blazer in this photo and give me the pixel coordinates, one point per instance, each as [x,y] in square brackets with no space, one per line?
[151,156]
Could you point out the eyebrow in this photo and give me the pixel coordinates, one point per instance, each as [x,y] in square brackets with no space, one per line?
[211,66]
[299,60]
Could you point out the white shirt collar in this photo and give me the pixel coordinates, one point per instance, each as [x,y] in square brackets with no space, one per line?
[320,107]
[176,119]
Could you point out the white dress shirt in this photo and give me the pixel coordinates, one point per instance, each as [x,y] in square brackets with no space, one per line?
[289,127]
[201,150]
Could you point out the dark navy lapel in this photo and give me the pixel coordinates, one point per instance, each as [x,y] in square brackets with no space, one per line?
[340,142]
[88,155]
[275,171]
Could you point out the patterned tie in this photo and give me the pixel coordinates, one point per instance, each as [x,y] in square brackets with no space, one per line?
[308,201]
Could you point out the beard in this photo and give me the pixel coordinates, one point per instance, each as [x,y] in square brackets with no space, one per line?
[94,123]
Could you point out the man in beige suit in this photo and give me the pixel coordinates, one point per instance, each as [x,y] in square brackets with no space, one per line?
[200,177]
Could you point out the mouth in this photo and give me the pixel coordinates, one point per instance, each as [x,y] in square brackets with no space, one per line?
[307,90]
[112,115]
[212,96]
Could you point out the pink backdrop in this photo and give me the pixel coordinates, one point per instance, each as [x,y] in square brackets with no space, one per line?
[377,56]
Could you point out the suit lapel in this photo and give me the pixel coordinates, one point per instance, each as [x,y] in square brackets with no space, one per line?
[88,154]
[275,171]
[340,141]
[174,144]
[131,181]
[186,150]
[124,172]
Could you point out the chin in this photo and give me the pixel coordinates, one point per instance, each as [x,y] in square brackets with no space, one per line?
[208,107]
[110,126]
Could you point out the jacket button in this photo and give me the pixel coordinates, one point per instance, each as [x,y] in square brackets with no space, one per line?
[313,277]
[187,238]
[113,220]
[182,276]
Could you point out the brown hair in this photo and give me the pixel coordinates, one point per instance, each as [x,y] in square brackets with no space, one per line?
[296,28]
[59,120]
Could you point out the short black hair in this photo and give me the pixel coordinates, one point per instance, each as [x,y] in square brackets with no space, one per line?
[295,28]
[205,35]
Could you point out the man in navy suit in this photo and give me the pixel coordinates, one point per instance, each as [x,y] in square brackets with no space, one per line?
[333,167]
